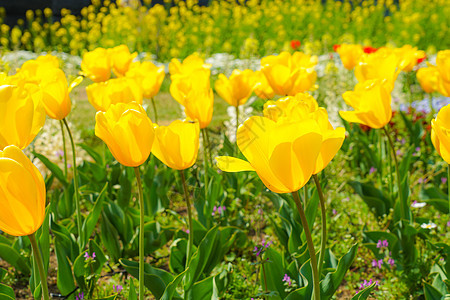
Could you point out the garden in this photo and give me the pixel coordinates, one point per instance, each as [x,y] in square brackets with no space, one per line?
[259,149]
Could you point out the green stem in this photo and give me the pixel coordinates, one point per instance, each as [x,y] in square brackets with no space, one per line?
[75,184]
[191,228]
[237,126]
[154,110]
[208,141]
[323,238]
[205,162]
[141,235]
[404,211]
[64,147]
[309,241]
[38,259]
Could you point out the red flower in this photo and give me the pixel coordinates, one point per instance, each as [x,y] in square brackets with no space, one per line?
[295,44]
[419,60]
[335,47]
[369,49]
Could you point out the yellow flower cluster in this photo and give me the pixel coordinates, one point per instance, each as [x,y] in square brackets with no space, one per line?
[256,28]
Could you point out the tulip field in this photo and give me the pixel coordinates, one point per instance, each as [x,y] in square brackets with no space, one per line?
[236,150]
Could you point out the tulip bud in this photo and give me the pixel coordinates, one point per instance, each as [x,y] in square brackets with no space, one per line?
[22,192]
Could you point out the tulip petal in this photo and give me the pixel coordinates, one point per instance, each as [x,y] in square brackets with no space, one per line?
[232,164]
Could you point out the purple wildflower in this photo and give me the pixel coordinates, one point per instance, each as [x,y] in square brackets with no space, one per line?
[372,170]
[334,212]
[443,180]
[391,261]
[287,279]
[448,224]
[86,255]
[117,288]
[80,296]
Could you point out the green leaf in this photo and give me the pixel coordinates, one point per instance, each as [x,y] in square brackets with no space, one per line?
[364,293]
[177,260]
[332,280]
[112,297]
[431,293]
[132,291]
[200,258]
[203,289]
[10,255]
[170,291]
[273,272]
[109,237]
[64,275]
[6,292]
[53,168]
[92,153]
[92,219]
[373,197]
[440,204]
[155,279]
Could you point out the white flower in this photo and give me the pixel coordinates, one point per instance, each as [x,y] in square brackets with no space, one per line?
[430,225]
[416,204]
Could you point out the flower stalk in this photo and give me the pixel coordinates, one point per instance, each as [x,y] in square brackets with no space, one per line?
[309,241]
[323,238]
[40,265]
[141,234]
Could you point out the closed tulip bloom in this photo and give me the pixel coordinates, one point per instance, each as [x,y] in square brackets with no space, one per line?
[428,78]
[55,93]
[371,101]
[22,116]
[302,107]
[182,85]
[409,57]
[236,89]
[443,64]
[199,105]
[22,192]
[176,145]
[289,75]
[121,59]
[262,87]
[149,77]
[190,64]
[118,90]
[282,154]
[443,87]
[127,131]
[382,64]
[440,133]
[350,55]
[96,65]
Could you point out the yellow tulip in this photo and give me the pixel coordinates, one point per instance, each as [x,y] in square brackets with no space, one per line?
[262,88]
[371,101]
[382,64]
[282,154]
[149,77]
[32,70]
[236,89]
[289,75]
[182,85]
[127,131]
[121,59]
[350,55]
[428,78]
[22,116]
[443,87]
[118,90]
[409,57]
[199,105]
[443,64]
[22,193]
[190,64]
[302,107]
[55,93]
[96,65]
[440,133]
[176,145]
